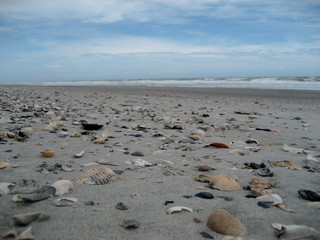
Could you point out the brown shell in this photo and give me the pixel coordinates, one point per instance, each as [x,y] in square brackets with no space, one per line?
[238,152]
[97,176]
[195,137]
[224,183]
[218,145]
[205,167]
[259,187]
[225,223]
[202,178]
[47,154]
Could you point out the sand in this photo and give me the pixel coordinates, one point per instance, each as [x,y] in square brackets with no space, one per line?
[139,119]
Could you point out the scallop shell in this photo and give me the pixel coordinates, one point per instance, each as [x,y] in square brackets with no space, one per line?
[224,183]
[218,145]
[202,178]
[47,154]
[225,223]
[293,232]
[97,176]
[205,167]
[62,187]
[26,235]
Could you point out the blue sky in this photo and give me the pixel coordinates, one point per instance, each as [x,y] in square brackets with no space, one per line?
[45,40]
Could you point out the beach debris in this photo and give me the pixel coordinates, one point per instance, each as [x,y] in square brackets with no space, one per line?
[121,206]
[91,126]
[26,235]
[259,187]
[137,154]
[263,205]
[63,202]
[294,232]
[129,224]
[204,195]
[224,183]
[99,141]
[265,172]
[6,165]
[205,167]
[217,145]
[274,200]
[62,187]
[309,195]
[206,235]
[12,233]
[142,163]
[27,218]
[238,152]
[80,154]
[290,149]
[253,165]
[178,209]
[97,176]
[38,195]
[223,222]
[202,178]
[47,154]
[5,188]
[315,205]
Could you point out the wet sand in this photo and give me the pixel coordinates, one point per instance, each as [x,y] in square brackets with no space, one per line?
[157,122]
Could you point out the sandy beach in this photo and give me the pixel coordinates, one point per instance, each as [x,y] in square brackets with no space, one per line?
[154,139]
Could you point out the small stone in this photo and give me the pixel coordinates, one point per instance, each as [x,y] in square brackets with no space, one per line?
[129,224]
[204,195]
[263,205]
[168,202]
[137,154]
[206,235]
[89,202]
[121,206]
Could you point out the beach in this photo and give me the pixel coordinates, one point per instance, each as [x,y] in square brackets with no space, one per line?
[145,138]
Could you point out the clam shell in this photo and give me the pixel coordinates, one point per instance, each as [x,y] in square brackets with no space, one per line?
[178,209]
[218,145]
[80,154]
[195,137]
[289,149]
[225,223]
[99,141]
[224,183]
[47,154]
[26,235]
[62,187]
[238,152]
[97,176]
[205,167]
[202,178]
[294,232]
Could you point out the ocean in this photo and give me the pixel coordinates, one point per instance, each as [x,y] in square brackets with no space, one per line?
[297,83]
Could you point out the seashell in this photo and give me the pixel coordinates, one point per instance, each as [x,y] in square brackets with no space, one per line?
[75,134]
[274,199]
[97,176]
[290,149]
[178,209]
[6,165]
[40,194]
[195,137]
[259,187]
[223,222]
[99,141]
[238,152]
[218,145]
[16,198]
[47,154]
[284,163]
[294,232]
[27,218]
[26,235]
[80,154]
[202,178]
[4,188]
[129,224]
[294,166]
[205,167]
[62,187]
[309,195]
[315,205]
[12,233]
[224,183]
[142,163]
[310,157]
[105,134]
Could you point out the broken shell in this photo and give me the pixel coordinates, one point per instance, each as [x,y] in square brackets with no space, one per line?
[99,141]
[274,199]
[292,232]
[47,154]
[178,209]
[97,176]
[202,178]
[238,152]
[224,183]
[195,137]
[105,134]
[225,223]
[6,165]
[4,188]
[26,235]
[27,218]
[40,194]
[218,145]
[62,187]
[12,233]
[290,149]
[259,187]
[205,167]
[80,154]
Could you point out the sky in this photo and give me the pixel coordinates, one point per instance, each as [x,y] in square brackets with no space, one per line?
[46,40]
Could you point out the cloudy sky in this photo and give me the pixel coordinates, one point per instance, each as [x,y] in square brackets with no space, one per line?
[43,40]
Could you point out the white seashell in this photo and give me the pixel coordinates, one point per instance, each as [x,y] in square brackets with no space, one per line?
[287,148]
[312,158]
[142,163]
[26,235]
[4,188]
[274,199]
[80,154]
[62,187]
[178,209]
[315,205]
[295,232]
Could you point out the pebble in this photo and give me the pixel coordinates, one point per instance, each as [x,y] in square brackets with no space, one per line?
[263,205]
[137,154]
[204,195]
[129,224]
[206,235]
[121,206]
[89,202]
